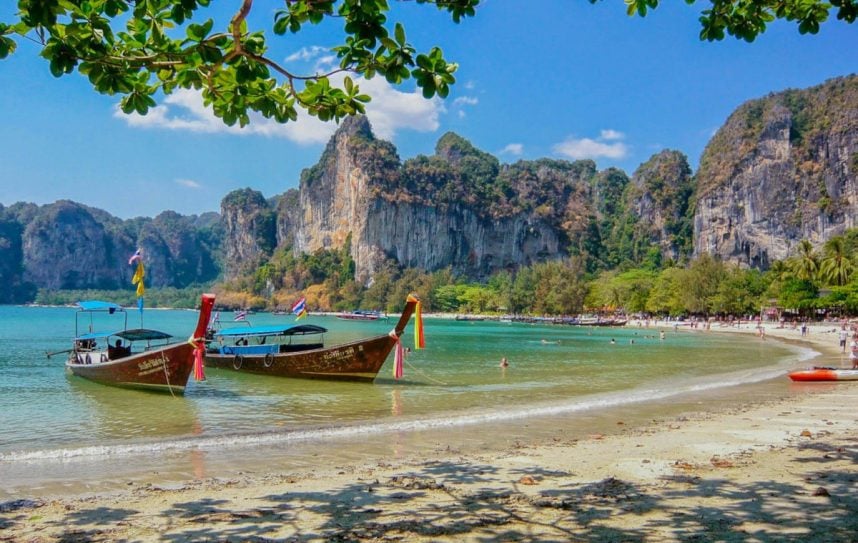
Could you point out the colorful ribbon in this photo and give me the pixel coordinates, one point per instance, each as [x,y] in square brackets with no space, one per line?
[199,349]
[419,338]
[398,356]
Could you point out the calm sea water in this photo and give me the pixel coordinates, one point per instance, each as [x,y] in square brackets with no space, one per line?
[61,428]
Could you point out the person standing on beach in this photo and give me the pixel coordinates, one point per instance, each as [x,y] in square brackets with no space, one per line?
[844,335]
[853,352]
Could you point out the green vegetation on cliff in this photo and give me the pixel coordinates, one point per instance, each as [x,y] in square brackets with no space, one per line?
[809,115]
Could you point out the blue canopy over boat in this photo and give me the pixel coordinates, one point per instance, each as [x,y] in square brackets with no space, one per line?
[137,334]
[273,330]
[98,305]
[142,334]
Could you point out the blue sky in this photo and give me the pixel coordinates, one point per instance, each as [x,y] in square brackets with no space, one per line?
[552,78]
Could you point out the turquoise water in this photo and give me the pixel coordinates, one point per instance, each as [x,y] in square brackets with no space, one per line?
[50,418]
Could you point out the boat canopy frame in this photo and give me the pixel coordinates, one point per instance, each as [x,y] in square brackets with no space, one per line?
[92,307]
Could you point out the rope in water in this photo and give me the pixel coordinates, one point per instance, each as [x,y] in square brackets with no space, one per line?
[166,374]
[436,381]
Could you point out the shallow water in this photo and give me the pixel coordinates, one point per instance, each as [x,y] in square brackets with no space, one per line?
[60,430]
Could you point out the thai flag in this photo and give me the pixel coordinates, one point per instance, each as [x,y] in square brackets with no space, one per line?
[300,308]
[240,316]
[135,257]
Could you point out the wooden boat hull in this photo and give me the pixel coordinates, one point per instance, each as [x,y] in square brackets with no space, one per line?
[355,361]
[165,369]
[824,374]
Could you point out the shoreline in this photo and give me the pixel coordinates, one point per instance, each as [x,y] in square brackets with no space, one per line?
[736,471]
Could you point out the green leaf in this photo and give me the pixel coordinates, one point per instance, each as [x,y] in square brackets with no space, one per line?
[7,46]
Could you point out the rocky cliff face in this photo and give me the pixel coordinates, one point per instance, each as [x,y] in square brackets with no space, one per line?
[782,169]
[66,245]
[419,215]
[176,252]
[250,231]
[12,286]
[425,237]
[334,197]
[658,198]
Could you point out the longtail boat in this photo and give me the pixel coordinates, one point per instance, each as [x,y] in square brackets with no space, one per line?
[138,358]
[299,351]
[361,315]
[817,373]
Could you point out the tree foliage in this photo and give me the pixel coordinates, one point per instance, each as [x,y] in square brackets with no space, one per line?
[747,19]
[140,48]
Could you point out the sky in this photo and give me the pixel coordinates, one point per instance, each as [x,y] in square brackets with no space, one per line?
[552,78]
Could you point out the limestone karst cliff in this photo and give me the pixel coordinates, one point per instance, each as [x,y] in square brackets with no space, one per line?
[249,226]
[783,168]
[656,208]
[66,245]
[456,209]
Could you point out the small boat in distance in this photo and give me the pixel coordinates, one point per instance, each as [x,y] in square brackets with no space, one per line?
[146,360]
[361,315]
[299,351]
[818,373]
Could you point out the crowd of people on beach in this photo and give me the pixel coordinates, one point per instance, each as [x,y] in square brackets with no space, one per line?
[847,335]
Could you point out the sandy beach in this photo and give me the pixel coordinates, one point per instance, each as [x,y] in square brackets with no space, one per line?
[783,470]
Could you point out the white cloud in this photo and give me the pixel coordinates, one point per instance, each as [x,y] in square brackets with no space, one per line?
[307,53]
[465,101]
[184,111]
[609,134]
[512,149]
[605,146]
[190,183]
[390,111]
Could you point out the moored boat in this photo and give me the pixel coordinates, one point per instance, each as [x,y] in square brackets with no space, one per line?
[361,315]
[298,351]
[138,358]
[470,318]
[818,373]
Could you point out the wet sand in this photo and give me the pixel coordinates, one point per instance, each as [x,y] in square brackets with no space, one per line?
[777,464]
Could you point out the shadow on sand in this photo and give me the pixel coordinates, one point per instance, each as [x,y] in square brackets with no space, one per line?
[471,501]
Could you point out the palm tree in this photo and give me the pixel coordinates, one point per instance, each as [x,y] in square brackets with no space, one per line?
[780,270]
[836,268]
[806,265]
